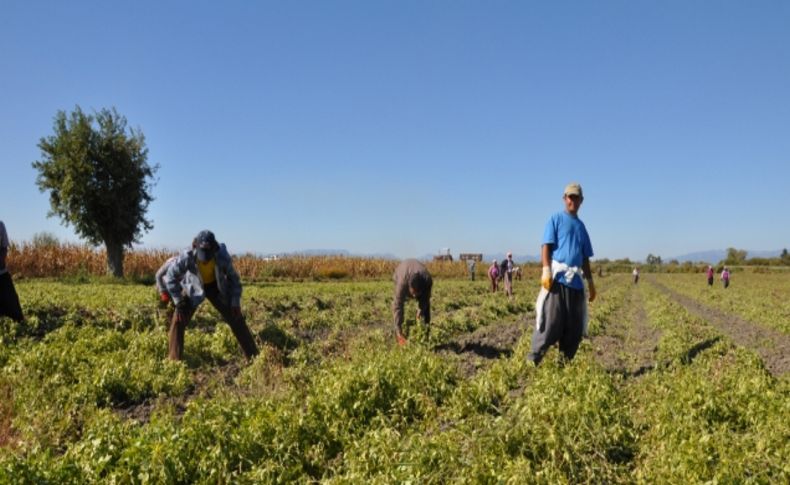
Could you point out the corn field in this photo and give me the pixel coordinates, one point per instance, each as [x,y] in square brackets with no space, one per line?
[28,260]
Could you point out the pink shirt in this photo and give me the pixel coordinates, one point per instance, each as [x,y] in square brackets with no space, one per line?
[493,271]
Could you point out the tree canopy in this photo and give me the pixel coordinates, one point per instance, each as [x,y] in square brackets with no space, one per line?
[735,256]
[98,179]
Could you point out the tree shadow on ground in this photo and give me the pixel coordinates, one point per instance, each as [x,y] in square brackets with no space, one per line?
[692,353]
[483,350]
[631,374]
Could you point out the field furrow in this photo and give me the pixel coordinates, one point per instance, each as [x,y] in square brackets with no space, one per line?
[772,346]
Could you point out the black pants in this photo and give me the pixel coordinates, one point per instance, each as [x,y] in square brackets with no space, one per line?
[9,300]
[564,314]
[237,324]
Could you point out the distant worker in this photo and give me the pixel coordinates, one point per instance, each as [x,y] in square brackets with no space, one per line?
[636,275]
[9,300]
[709,274]
[412,280]
[493,275]
[565,254]
[472,266]
[725,277]
[517,273]
[205,271]
[506,268]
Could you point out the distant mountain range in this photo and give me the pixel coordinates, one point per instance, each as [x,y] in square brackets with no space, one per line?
[716,255]
[488,257]
[519,258]
[337,252]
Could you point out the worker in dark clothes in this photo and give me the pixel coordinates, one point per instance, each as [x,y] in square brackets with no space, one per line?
[412,280]
[9,300]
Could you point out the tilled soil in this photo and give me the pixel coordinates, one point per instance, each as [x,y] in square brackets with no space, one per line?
[335,342]
[772,345]
[628,342]
[481,347]
[204,383]
[644,338]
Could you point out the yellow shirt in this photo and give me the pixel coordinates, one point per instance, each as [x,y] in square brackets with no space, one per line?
[207,271]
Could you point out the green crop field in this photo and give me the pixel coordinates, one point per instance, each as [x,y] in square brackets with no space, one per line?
[677,383]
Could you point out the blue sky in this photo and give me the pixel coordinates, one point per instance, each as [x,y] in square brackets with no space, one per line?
[404,127]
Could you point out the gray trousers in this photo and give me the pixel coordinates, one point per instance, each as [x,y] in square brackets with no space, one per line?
[563,311]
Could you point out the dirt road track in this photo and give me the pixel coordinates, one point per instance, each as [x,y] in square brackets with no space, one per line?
[772,345]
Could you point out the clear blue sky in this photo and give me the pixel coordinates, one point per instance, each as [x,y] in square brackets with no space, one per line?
[402,127]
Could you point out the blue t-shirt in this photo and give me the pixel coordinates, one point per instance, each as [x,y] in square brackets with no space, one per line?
[570,241]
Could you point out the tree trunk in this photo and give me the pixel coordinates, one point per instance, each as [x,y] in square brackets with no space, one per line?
[114,259]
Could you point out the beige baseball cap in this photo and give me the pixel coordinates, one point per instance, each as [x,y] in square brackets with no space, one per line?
[573,188]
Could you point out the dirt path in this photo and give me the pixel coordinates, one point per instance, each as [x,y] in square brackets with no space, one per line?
[627,343]
[771,345]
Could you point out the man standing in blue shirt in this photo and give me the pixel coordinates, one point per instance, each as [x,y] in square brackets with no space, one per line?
[561,306]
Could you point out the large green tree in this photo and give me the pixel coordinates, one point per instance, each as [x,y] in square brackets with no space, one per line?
[98,179]
[735,256]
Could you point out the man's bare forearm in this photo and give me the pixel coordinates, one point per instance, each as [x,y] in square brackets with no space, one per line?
[545,254]
[587,271]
